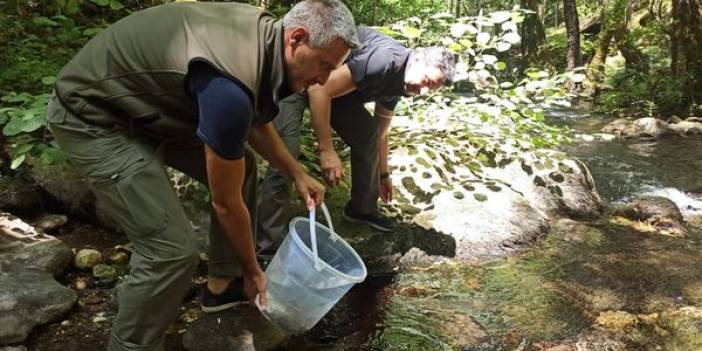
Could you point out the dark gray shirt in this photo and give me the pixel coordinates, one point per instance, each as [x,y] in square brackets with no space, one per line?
[378,69]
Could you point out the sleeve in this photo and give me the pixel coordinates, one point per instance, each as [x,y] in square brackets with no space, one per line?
[389,102]
[225,111]
[369,69]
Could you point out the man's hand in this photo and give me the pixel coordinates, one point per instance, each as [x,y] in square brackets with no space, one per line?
[385,190]
[332,168]
[255,285]
[310,190]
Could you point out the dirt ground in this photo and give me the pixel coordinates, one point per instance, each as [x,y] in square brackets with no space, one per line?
[87,325]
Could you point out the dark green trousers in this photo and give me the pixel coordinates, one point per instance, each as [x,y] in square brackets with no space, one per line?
[127,173]
[356,127]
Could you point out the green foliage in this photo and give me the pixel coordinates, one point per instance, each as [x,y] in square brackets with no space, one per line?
[641,93]
[483,43]
[33,49]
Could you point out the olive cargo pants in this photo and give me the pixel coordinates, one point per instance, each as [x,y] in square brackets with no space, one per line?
[356,127]
[127,173]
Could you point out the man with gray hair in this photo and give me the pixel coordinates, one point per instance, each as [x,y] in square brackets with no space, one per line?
[381,71]
[187,85]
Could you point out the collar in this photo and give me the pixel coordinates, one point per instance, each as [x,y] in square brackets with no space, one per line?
[278,72]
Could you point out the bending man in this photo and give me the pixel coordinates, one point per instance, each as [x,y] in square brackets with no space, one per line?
[381,71]
[186,85]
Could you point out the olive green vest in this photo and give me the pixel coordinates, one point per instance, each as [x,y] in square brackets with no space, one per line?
[134,72]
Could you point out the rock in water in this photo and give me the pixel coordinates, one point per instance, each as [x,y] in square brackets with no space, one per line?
[87,259]
[659,212]
[29,295]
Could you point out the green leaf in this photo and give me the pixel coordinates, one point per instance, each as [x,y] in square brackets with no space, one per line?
[455,47]
[116,5]
[500,66]
[48,80]
[17,98]
[23,149]
[101,2]
[411,32]
[18,161]
[13,127]
[52,155]
[43,21]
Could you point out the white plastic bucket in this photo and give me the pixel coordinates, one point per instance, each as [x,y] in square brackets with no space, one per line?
[305,280]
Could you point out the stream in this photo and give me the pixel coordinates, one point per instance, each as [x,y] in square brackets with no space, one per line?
[588,285]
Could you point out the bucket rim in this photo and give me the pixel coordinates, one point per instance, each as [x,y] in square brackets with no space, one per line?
[325,265]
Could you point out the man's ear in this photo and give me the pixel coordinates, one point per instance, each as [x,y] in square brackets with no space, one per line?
[299,36]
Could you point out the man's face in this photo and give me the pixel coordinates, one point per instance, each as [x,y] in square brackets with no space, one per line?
[420,78]
[307,66]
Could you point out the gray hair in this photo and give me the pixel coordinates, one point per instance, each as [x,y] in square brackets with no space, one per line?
[438,57]
[326,21]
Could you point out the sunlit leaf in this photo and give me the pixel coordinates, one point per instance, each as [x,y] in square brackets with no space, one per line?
[512,38]
[411,32]
[510,26]
[455,47]
[483,38]
[489,59]
[501,46]
[18,161]
[500,16]
[500,66]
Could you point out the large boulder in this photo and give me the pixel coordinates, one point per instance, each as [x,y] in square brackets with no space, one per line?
[552,182]
[69,191]
[486,223]
[490,198]
[660,213]
[616,126]
[18,195]
[648,127]
[687,128]
[30,296]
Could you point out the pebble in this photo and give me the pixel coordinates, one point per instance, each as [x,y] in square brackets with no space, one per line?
[50,222]
[80,284]
[87,259]
[119,257]
[65,323]
[92,300]
[99,319]
[104,271]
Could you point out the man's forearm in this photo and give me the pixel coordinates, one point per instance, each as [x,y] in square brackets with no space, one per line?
[384,117]
[320,111]
[266,141]
[242,242]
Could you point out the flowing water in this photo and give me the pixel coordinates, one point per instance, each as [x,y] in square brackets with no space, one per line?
[597,285]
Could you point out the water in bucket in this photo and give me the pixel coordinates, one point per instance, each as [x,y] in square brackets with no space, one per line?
[305,280]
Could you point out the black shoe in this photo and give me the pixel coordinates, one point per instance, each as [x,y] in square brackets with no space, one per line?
[374,220]
[233,295]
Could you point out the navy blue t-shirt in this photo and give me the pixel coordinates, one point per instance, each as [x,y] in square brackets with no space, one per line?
[378,69]
[225,111]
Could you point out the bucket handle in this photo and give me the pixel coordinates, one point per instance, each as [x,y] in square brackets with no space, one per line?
[313,233]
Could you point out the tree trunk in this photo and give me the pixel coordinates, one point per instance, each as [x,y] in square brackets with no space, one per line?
[634,58]
[570,12]
[533,33]
[686,48]
[595,73]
